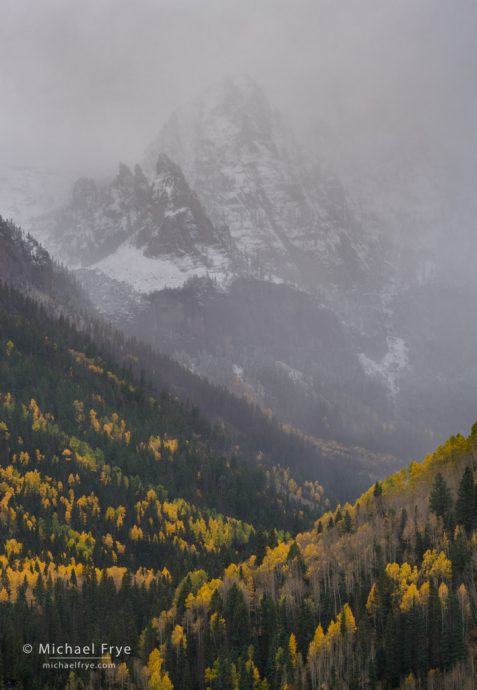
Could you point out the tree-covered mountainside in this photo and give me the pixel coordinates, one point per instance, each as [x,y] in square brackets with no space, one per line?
[120,521]
[101,479]
[380,594]
[25,264]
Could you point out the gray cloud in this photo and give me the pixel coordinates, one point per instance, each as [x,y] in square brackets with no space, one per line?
[85,83]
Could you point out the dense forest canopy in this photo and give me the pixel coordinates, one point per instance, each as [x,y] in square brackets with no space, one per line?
[121,521]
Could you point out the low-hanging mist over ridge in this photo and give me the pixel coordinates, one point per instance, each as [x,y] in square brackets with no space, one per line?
[245,226]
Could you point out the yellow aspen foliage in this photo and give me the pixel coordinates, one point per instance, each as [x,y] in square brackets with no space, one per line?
[113,427]
[204,595]
[318,643]
[410,598]
[345,621]
[463,595]
[13,547]
[95,425]
[372,603]
[178,637]
[121,676]
[39,420]
[424,593]
[171,444]
[116,515]
[436,565]
[24,457]
[136,533]
[275,557]
[165,574]
[108,541]
[402,575]
[349,621]
[154,445]
[171,510]
[293,649]
[32,482]
[443,593]
[158,678]
[9,348]
[30,521]
[120,548]
[116,574]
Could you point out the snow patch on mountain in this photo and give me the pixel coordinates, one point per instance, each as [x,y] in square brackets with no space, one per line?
[390,367]
[293,374]
[238,372]
[149,274]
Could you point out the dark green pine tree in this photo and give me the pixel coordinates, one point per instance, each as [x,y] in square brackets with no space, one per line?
[378,490]
[421,651]
[434,618]
[456,628]
[294,557]
[459,554]
[393,642]
[408,640]
[306,625]
[465,504]
[237,620]
[268,618]
[348,522]
[440,500]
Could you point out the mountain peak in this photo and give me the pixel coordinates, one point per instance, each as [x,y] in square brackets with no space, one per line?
[169,186]
[240,88]
[165,165]
[123,171]
[251,176]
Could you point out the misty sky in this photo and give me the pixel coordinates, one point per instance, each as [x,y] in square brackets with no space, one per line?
[85,83]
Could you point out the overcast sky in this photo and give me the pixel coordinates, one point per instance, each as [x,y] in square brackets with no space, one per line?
[85,83]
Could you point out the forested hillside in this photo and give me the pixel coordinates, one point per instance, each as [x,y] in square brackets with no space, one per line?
[380,594]
[100,479]
[119,521]
[25,264]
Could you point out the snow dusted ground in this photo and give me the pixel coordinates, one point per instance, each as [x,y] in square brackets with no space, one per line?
[146,274]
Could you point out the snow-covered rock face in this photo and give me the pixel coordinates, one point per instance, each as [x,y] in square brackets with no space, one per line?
[250,175]
[225,192]
[150,234]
